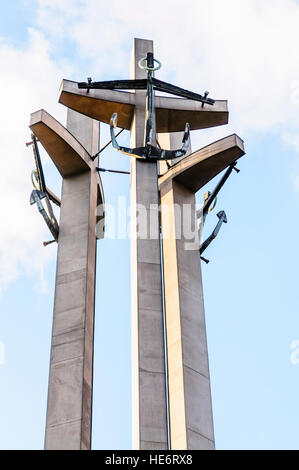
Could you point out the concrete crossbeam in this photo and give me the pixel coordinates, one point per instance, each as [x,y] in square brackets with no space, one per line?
[171,113]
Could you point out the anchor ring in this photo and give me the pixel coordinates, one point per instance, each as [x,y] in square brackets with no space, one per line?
[145,67]
[34,179]
[213,205]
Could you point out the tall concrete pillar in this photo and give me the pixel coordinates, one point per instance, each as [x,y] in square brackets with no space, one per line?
[191,425]
[71,367]
[190,407]
[148,368]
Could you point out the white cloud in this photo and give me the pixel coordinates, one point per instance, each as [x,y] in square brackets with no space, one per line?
[29,81]
[244,51]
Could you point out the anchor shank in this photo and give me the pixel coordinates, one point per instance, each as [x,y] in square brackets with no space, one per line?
[38,163]
[149,103]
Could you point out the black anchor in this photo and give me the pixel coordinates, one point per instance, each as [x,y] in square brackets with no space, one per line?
[148,151]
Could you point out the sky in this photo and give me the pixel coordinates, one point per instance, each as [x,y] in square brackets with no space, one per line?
[245,52]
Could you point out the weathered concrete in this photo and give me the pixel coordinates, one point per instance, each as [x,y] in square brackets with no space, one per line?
[70,383]
[190,407]
[148,371]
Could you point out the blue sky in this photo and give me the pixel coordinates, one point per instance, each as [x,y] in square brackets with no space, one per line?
[232,49]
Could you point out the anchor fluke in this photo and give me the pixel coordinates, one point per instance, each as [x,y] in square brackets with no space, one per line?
[149,151]
[137,152]
[113,125]
[222,219]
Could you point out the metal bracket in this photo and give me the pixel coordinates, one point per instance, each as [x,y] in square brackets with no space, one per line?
[205,98]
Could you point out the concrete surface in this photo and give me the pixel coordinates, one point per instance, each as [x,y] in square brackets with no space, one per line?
[148,371]
[69,410]
[190,407]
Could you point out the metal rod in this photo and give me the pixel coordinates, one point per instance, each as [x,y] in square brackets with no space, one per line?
[38,163]
[149,102]
[113,171]
[217,188]
[141,84]
[105,146]
[49,242]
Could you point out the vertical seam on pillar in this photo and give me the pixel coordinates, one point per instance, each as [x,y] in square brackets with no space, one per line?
[84,329]
[168,326]
[164,323]
[51,346]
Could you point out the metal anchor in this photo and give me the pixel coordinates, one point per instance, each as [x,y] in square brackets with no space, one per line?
[42,192]
[149,151]
[210,199]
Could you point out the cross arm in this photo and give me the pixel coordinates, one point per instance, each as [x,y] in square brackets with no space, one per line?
[66,152]
[99,104]
[171,113]
[198,168]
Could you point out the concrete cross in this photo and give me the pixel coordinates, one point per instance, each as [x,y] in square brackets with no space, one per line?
[69,409]
[171,389]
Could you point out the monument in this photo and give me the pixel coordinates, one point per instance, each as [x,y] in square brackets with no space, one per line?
[171,384]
